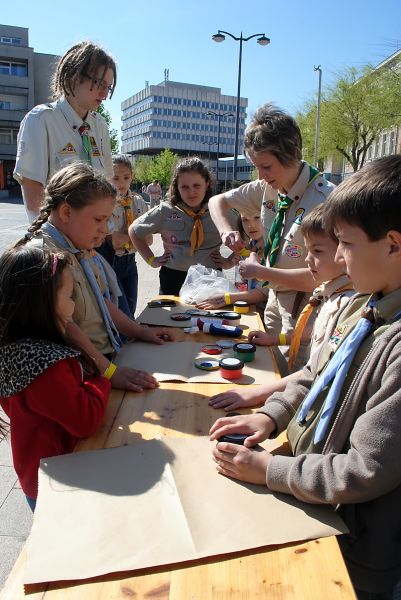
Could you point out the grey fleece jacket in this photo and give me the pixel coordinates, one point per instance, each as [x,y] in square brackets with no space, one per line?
[359,469]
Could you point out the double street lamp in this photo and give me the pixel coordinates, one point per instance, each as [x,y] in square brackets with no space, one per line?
[220,36]
[219,116]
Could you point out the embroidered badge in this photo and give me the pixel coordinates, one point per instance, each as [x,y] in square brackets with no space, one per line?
[269,205]
[94,148]
[68,149]
[174,239]
[337,336]
[299,215]
[174,217]
[294,250]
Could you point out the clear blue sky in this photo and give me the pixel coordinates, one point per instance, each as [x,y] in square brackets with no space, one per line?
[145,37]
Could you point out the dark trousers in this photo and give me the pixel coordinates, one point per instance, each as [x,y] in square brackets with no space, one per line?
[171,281]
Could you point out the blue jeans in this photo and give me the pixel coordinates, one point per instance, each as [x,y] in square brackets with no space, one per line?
[127,274]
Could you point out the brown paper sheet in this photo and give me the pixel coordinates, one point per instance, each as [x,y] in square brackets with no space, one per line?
[175,362]
[154,503]
[161,316]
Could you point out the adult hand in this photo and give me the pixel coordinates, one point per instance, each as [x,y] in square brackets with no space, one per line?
[159,261]
[233,240]
[260,338]
[242,463]
[156,335]
[126,378]
[236,399]
[217,301]
[248,267]
[257,427]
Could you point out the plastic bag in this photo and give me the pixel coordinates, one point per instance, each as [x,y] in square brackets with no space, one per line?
[202,282]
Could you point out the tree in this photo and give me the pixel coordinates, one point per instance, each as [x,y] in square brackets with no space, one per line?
[142,169]
[112,132]
[353,112]
[163,165]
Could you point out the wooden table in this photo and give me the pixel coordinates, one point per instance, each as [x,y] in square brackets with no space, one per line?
[298,571]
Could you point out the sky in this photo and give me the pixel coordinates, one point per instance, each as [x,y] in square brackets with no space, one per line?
[146,37]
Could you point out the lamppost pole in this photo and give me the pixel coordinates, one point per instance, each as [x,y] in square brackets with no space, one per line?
[316,159]
[219,115]
[263,41]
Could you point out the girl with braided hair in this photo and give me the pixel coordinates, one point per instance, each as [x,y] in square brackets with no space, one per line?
[78,203]
[69,129]
[46,418]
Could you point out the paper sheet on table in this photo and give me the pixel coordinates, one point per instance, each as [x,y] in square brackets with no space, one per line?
[161,316]
[154,503]
[175,362]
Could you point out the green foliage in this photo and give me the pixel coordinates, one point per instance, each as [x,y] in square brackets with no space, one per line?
[112,132]
[254,174]
[353,111]
[159,167]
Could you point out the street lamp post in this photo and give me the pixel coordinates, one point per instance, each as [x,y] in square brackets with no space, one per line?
[319,93]
[219,115]
[263,41]
[209,144]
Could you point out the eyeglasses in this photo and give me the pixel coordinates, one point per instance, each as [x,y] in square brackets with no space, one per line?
[100,84]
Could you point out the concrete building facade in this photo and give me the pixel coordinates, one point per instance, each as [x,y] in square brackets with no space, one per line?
[175,115]
[24,82]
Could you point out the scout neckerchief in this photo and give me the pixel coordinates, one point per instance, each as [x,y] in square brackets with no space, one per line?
[84,131]
[272,245]
[315,300]
[126,203]
[59,238]
[335,373]
[197,236]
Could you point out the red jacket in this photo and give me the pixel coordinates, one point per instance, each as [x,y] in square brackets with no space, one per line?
[48,417]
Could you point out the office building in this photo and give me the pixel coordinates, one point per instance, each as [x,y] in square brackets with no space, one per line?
[24,82]
[175,115]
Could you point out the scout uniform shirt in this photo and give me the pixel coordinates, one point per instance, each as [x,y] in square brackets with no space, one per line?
[122,219]
[87,314]
[176,228]
[49,139]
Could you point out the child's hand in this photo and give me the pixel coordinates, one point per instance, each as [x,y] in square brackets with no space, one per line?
[248,267]
[161,260]
[236,399]
[242,463]
[119,239]
[217,301]
[156,335]
[126,378]
[258,427]
[233,240]
[260,338]
[225,262]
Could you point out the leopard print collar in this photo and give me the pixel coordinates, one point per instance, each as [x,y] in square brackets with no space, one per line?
[24,360]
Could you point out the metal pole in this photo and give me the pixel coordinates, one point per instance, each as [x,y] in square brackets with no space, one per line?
[316,158]
[237,111]
[218,148]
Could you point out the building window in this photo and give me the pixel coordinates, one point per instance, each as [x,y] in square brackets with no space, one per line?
[13,41]
[392,142]
[13,102]
[8,136]
[13,68]
[384,144]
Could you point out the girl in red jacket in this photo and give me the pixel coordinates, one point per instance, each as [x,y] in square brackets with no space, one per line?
[52,393]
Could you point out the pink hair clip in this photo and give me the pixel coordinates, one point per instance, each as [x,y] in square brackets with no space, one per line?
[54,258]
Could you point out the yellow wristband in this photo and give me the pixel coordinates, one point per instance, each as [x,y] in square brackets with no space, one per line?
[227,298]
[282,340]
[109,372]
[150,260]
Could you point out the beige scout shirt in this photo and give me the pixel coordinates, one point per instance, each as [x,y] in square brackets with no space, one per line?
[87,314]
[300,435]
[176,228]
[49,139]
[138,207]
[257,196]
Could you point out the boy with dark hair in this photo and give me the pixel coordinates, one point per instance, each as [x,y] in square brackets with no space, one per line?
[342,417]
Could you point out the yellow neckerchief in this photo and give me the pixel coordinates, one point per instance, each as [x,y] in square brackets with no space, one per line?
[126,203]
[197,236]
[303,319]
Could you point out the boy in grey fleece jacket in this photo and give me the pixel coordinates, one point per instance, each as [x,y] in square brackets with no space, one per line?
[356,466]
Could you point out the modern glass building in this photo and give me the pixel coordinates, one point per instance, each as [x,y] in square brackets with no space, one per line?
[175,115]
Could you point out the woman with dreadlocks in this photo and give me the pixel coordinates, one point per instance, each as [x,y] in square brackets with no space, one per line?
[53,135]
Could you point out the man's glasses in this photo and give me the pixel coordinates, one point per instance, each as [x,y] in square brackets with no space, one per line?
[100,84]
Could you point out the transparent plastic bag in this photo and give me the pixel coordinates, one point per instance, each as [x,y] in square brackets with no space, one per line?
[202,282]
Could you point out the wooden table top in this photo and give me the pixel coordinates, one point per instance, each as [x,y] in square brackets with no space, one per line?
[302,571]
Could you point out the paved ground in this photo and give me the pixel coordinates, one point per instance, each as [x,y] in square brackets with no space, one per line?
[15,515]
